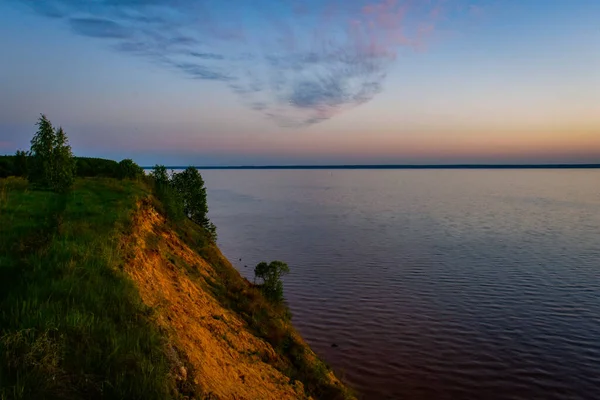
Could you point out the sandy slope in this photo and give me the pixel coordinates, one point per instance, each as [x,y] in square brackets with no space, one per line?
[212,345]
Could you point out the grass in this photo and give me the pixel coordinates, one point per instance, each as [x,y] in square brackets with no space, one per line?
[71,325]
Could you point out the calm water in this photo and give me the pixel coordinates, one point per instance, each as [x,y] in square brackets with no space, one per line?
[464,284]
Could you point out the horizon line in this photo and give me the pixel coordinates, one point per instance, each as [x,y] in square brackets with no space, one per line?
[395,166]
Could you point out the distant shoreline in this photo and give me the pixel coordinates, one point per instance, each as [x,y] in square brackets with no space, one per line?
[400,166]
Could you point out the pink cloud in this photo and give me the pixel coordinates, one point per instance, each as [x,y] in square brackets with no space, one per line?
[383,26]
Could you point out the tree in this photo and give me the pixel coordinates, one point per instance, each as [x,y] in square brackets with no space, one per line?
[190,186]
[128,169]
[170,198]
[51,163]
[272,286]
[64,163]
[41,152]
[160,175]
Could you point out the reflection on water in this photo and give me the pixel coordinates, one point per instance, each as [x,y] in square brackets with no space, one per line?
[441,284]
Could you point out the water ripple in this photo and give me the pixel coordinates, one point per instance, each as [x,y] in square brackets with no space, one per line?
[431,284]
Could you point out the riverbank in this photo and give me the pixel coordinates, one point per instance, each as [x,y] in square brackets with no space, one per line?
[105,297]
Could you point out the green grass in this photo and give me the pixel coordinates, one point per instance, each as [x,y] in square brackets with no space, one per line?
[72,325]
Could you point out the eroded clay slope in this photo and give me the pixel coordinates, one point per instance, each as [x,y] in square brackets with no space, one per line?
[211,344]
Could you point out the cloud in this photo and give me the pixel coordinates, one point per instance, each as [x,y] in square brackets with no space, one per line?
[299,63]
[201,72]
[207,56]
[99,28]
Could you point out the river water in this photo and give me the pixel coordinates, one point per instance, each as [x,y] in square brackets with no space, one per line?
[431,284]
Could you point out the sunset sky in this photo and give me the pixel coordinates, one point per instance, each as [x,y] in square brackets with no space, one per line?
[241,82]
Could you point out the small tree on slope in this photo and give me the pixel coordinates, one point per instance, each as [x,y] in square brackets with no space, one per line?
[271,274]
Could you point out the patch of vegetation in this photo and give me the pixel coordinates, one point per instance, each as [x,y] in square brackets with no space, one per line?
[50,164]
[183,194]
[94,167]
[270,274]
[128,169]
[85,166]
[72,324]
[171,203]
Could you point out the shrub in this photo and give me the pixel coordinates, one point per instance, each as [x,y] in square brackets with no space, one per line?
[128,169]
[271,274]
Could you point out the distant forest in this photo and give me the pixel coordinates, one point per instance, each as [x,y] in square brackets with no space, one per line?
[85,166]
[398,166]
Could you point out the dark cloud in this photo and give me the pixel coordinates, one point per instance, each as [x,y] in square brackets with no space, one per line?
[318,92]
[207,56]
[99,28]
[320,61]
[202,72]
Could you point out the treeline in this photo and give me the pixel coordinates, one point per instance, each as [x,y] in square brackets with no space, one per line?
[183,194]
[49,164]
[85,167]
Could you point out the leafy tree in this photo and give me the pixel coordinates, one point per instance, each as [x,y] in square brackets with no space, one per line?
[128,169]
[42,164]
[64,163]
[160,175]
[171,200]
[190,186]
[272,286]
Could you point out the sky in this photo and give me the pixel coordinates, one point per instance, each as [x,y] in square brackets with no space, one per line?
[263,82]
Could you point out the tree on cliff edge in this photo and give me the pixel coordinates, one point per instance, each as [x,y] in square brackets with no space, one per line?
[52,165]
[190,186]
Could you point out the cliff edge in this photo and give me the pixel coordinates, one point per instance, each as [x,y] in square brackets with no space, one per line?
[105,297]
[213,349]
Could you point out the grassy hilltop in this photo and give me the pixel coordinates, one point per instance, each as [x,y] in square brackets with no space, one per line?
[112,287]
[104,297]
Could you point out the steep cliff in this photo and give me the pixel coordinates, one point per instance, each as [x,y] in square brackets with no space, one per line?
[213,349]
[104,297]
